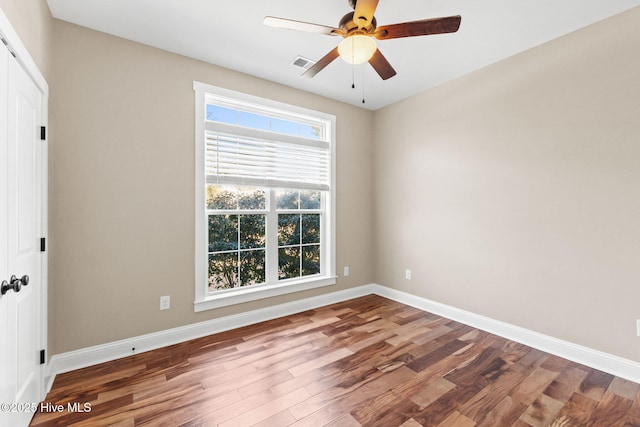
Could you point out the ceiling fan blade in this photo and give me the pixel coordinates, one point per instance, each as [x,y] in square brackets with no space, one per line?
[290,24]
[365,9]
[381,65]
[419,28]
[322,62]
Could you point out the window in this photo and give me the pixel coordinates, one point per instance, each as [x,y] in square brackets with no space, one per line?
[237,236]
[264,198]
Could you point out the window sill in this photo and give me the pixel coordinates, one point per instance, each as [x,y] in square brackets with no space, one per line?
[259,292]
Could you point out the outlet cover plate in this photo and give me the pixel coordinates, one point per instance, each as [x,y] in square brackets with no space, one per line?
[165,302]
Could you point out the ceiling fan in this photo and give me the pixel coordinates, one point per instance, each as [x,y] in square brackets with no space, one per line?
[359,28]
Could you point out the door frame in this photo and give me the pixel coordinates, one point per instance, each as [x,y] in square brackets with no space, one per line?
[10,37]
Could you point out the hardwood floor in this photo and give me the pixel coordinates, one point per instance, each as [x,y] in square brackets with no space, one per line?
[368,361]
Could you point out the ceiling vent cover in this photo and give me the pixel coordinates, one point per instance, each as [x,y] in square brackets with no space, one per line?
[302,62]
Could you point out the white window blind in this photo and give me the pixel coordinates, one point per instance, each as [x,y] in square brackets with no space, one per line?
[244,156]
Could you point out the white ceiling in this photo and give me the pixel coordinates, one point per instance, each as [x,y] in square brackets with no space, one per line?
[231,34]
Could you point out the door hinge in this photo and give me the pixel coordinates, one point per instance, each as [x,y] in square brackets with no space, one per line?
[43,133]
[43,244]
[8,47]
[42,357]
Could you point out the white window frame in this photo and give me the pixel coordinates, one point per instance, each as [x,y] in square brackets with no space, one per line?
[205,300]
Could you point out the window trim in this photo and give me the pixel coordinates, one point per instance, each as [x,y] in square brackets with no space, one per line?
[204,300]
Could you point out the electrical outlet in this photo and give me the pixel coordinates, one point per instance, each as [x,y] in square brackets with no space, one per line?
[346,271]
[638,327]
[165,302]
[407,274]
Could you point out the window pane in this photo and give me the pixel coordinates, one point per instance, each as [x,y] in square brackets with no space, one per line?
[285,126]
[221,114]
[310,131]
[227,197]
[223,233]
[223,271]
[252,231]
[252,268]
[254,121]
[311,228]
[310,199]
[252,198]
[288,229]
[287,199]
[222,197]
[288,263]
[310,260]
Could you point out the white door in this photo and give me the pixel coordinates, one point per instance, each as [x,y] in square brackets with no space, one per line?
[20,306]
[4,273]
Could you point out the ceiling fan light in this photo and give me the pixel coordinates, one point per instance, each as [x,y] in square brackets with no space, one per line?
[357,49]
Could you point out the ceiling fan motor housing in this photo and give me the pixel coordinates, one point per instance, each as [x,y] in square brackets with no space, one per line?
[348,25]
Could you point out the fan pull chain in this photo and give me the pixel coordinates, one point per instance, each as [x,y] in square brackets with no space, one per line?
[353,65]
[363,83]
[353,76]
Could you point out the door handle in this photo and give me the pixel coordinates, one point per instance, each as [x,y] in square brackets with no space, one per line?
[14,283]
[25,280]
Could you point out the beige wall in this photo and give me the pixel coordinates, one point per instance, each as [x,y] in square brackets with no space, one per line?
[511,192]
[122,187]
[32,21]
[514,192]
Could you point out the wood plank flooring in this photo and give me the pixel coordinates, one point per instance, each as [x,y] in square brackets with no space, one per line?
[364,362]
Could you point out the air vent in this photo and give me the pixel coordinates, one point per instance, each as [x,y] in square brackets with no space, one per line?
[302,62]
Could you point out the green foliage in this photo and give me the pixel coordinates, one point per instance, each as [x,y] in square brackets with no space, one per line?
[310,260]
[223,231]
[221,197]
[295,233]
[237,253]
[223,270]
[288,263]
[236,242]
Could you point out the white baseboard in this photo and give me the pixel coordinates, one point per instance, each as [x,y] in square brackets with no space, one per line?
[82,358]
[89,356]
[605,362]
